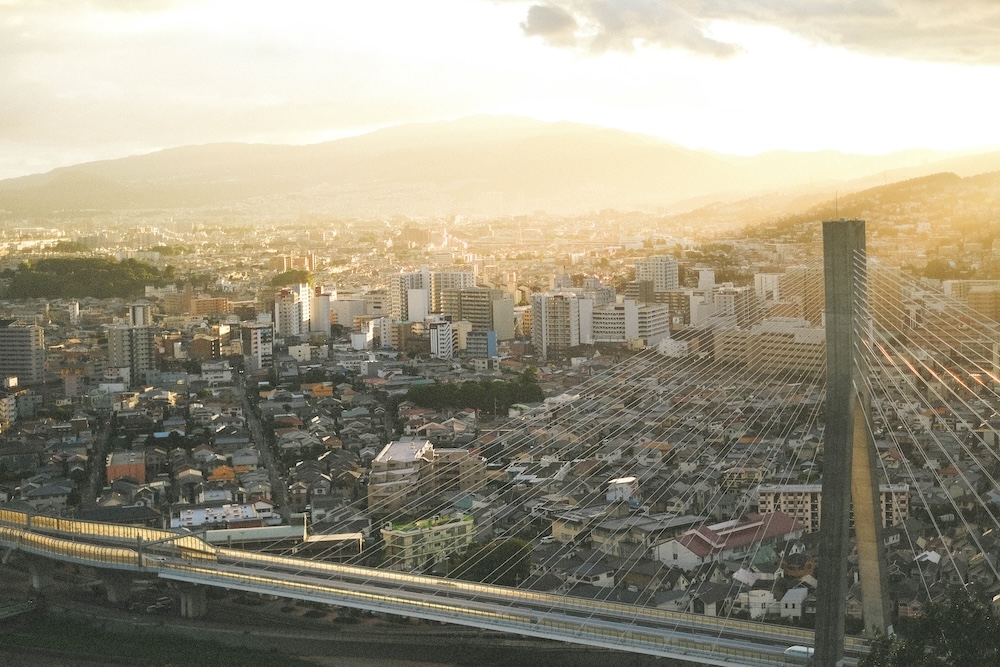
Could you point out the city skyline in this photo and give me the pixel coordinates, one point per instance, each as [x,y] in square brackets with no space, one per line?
[108,79]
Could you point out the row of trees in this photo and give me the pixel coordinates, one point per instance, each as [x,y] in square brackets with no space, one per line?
[491,396]
[79,277]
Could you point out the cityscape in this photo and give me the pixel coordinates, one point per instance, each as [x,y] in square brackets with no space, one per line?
[498,388]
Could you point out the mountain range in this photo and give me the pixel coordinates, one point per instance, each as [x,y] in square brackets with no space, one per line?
[482,164]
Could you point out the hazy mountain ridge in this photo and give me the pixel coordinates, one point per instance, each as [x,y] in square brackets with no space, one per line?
[476,165]
[969,203]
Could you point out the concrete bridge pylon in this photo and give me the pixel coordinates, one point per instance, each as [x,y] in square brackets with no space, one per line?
[849,458]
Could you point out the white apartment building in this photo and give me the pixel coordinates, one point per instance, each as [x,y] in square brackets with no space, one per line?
[407,291]
[321,307]
[661,270]
[427,541]
[287,313]
[555,321]
[779,343]
[630,322]
[442,340]
[258,346]
[803,502]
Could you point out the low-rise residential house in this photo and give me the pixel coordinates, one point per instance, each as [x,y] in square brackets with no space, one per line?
[653,452]
[709,599]
[732,539]
[48,496]
[758,603]
[793,602]
[571,526]
[596,574]
[297,441]
[245,459]
[635,535]
[228,437]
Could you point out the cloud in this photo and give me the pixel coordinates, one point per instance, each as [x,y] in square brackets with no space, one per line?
[548,20]
[620,25]
[957,31]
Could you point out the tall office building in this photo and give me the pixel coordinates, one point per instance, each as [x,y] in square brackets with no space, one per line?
[22,351]
[662,270]
[641,291]
[481,344]
[258,341]
[133,348]
[631,322]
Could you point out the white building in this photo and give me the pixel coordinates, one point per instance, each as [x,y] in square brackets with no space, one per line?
[735,539]
[803,502]
[427,541]
[258,346]
[345,310]
[287,313]
[140,314]
[429,286]
[442,340]
[661,270]
[319,318]
[555,321]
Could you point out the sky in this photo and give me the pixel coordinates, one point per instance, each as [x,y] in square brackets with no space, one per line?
[93,79]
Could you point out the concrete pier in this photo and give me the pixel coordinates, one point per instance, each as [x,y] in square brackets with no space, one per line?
[849,460]
[194,602]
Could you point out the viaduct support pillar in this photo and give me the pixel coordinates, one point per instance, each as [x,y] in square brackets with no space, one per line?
[849,461]
[118,586]
[194,603]
[40,572]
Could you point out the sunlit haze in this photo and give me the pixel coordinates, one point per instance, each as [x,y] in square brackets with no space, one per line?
[82,81]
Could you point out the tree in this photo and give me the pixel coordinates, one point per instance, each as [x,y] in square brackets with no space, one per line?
[504,562]
[74,277]
[965,631]
[293,277]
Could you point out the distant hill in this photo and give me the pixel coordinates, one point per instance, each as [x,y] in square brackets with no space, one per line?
[481,164]
[970,205]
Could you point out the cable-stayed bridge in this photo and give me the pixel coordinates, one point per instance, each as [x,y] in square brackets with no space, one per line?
[699,425]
